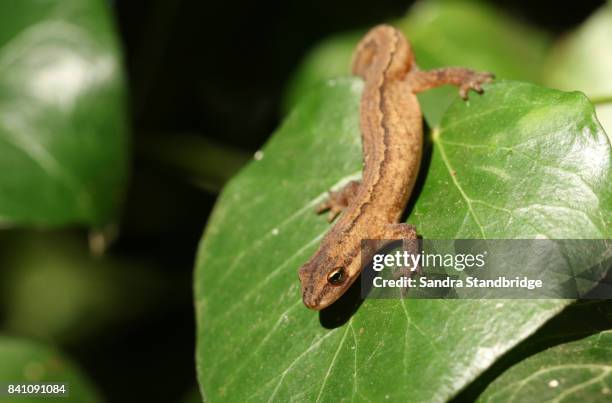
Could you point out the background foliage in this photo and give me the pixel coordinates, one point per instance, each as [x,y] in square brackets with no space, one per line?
[105,195]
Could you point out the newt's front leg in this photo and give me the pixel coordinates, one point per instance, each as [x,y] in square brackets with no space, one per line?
[463,78]
[339,200]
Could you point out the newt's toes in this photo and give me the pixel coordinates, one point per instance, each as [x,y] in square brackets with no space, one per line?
[483,78]
[475,83]
[323,207]
[333,213]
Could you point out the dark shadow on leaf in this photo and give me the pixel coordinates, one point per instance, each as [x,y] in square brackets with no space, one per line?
[423,172]
[575,322]
[338,313]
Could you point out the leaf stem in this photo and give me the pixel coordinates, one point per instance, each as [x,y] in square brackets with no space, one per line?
[605,99]
[199,160]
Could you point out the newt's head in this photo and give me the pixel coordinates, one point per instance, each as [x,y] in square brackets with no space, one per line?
[326,276]
[383,51]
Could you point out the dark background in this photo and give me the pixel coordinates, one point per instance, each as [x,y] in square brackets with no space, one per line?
[215,69]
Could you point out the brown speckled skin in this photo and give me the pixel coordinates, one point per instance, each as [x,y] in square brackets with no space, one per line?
[392,138]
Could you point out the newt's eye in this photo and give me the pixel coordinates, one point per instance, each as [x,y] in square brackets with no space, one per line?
[336,276]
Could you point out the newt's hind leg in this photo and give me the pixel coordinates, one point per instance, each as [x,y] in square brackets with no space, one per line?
[407,233]
[339,200]
[411,244]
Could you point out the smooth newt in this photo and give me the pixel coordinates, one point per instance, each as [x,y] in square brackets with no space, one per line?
[392,141]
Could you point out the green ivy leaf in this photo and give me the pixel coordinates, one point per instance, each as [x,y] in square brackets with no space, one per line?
[451,33]
[583,61]
[578,320]
[518,162]
[524,161]
[63,139]
[572,372]
[27,362]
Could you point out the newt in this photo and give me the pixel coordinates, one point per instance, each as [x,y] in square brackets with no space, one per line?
[391,125]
